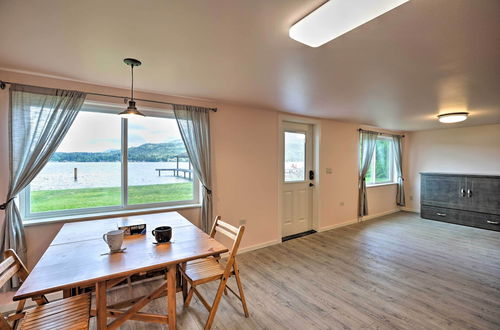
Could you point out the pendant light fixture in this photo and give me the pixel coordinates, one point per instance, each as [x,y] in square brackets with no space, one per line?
[131,110]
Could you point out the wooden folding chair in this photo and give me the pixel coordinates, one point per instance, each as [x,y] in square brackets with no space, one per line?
[70,313]
[210,269]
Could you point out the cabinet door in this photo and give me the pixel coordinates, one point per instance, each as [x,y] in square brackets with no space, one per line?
[444,191]
[483,194]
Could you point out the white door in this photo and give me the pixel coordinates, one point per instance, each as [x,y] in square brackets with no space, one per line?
[298,180]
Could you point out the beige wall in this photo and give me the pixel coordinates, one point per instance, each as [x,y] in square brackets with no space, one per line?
[339,192]
[245,161]
[474,150]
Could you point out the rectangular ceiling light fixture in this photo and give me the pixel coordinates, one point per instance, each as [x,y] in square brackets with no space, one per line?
[337,17]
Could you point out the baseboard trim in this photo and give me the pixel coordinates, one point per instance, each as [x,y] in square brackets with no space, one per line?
[351,222]
[338,225]
[378,215]
[259,246]
[407,209]
[330,227]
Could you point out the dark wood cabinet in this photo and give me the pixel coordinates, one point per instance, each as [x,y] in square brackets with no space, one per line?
[484,194]
[471,200]
[446,191]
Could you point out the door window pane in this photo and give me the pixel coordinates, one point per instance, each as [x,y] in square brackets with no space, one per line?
[295,156]
[158,166]
[85,170]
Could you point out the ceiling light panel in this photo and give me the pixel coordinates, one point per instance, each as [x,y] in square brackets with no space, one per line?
[337,17]
[454,117]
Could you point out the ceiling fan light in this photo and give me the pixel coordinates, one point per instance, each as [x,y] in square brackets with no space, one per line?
[453,117]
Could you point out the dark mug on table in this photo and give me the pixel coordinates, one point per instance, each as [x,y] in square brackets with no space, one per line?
[162,234]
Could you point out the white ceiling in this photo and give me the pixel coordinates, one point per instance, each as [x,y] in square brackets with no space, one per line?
[396,72]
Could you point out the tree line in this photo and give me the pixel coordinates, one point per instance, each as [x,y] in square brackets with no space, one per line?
[148,152]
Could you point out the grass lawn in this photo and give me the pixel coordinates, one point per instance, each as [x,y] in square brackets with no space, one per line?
[54,200]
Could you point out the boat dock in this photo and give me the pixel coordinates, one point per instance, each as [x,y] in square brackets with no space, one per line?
[186,173]
[178,172]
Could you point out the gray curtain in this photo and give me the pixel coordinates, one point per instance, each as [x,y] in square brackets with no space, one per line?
[367,142]
[194,125]
[398,156]
[38,121]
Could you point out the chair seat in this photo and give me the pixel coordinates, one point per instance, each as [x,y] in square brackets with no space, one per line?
[204,270]
[70,313]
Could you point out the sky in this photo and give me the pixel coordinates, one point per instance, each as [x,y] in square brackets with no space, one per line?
[96,132]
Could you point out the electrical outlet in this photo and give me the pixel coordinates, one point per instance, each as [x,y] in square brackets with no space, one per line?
[328,170]
[243,222]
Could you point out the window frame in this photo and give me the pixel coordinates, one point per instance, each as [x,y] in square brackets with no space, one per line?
[102,107]
[392,177]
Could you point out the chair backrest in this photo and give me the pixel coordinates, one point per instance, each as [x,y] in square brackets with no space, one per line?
[10,266]
[231,232]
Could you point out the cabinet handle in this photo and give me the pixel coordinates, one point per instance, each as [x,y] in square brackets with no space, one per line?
[441,214]
[462,192]
[469,193]
[493,222]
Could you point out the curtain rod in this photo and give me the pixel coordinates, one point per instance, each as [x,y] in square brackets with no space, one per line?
[125,98]
[380,133]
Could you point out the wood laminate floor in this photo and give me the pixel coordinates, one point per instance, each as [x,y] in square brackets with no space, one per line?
[395,272]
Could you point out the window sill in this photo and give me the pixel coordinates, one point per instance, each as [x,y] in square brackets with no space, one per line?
[381,184]
[104,215]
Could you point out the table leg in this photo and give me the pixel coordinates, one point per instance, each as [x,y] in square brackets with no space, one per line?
[171,291]
[101,302]
[184,283]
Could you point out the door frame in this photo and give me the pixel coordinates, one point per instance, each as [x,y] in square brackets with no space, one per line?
[316,134]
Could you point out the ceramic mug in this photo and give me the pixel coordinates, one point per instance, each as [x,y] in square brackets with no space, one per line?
[162,234]
[114,239]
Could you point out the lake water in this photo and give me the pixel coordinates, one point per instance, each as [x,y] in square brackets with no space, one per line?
[59,175]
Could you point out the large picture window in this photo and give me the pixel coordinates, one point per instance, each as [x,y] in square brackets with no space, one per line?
[107,163]
[382,166]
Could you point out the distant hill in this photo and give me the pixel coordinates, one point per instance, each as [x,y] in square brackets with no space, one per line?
[148,152]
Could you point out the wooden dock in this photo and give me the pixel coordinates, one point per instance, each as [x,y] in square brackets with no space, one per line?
[178,172]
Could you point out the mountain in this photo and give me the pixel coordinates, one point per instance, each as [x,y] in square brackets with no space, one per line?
[148,152]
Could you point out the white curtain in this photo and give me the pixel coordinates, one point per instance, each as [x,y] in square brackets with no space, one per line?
[367,141]
[398,156]
[38,121]
[194,125]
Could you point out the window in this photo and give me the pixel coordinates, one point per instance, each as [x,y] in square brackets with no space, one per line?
[382,166]
[158,166]
[107,163]
[295,156]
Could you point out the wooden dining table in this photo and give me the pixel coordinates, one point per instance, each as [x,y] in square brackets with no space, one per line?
[77,258]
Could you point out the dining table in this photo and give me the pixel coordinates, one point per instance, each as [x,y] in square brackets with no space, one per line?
[78,257]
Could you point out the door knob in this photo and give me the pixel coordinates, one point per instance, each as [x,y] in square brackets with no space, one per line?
[469,193]
[311,184]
